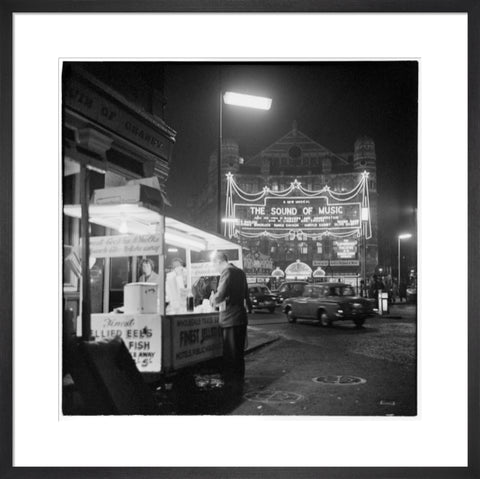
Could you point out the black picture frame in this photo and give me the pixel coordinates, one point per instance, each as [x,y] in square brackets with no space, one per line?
[8,7]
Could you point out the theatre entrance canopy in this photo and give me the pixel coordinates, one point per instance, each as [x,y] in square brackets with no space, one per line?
[298,270]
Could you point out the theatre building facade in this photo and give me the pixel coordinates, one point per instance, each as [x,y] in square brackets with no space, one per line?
[298,202]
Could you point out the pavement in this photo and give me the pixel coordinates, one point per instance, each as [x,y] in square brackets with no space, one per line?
[401,311]
[304,369]
[256,338]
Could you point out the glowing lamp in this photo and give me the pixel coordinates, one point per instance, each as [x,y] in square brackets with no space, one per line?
[123,227]
[247,101]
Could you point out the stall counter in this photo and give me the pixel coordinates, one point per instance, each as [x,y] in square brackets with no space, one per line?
[161,344]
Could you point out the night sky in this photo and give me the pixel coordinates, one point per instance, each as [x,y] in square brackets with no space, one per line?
[332,102]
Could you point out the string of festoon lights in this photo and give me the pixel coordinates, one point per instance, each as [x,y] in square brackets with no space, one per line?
[360,191]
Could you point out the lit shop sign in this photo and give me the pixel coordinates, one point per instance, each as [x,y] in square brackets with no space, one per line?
[336,262]
[345,249]
[344,262]
[297,212]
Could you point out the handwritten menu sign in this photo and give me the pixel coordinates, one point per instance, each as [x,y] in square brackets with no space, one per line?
[141,334]
[125,245]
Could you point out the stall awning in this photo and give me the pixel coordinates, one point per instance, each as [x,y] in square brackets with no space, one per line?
[139,218]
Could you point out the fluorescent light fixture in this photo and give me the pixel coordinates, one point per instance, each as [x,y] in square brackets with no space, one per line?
[184,241]
[173,250]
[248,101]
[404,236]
[123,227]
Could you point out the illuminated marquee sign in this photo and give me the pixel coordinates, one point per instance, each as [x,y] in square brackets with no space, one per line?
[289,213]
[345,249]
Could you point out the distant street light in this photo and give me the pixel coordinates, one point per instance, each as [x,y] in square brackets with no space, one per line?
[401,237]
[236,99]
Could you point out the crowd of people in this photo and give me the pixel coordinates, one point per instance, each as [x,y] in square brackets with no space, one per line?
[395,291]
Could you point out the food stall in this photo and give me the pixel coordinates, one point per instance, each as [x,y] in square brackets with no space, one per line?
[164,329]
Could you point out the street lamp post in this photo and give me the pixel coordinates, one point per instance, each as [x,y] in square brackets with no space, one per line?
[236,99]
[400,237]
[219,166]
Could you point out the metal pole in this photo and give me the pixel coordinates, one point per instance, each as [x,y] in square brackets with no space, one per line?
[160,229]
[399,264]
[219,166]
[364,257]
[84,198]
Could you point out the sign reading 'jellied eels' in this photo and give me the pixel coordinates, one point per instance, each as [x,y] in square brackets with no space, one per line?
[298,212]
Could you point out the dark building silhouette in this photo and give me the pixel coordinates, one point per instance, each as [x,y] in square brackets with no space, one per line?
[113,121]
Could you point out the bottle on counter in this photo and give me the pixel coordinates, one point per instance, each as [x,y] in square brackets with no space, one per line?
[190,302]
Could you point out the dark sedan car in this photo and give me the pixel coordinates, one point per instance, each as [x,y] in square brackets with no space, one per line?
[261,297]
[329,302]
[290,289]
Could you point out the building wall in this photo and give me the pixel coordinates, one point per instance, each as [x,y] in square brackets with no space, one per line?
[112,120]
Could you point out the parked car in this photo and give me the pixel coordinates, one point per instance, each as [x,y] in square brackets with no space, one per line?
[261,297]
[329,302]
[290,289]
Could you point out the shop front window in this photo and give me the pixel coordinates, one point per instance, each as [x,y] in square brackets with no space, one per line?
[120,275]
[96,285]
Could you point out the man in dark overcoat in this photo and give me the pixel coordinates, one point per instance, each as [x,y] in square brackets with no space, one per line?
[233,301]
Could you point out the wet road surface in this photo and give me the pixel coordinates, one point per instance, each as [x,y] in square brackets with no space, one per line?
[310,370]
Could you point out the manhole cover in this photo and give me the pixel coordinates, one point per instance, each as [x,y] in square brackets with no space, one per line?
[339,380]
[273,397]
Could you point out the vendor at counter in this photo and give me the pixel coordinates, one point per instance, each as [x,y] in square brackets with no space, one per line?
[148,275]
[176,288]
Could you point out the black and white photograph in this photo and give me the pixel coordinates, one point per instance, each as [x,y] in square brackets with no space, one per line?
[251,235]
[239,238]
